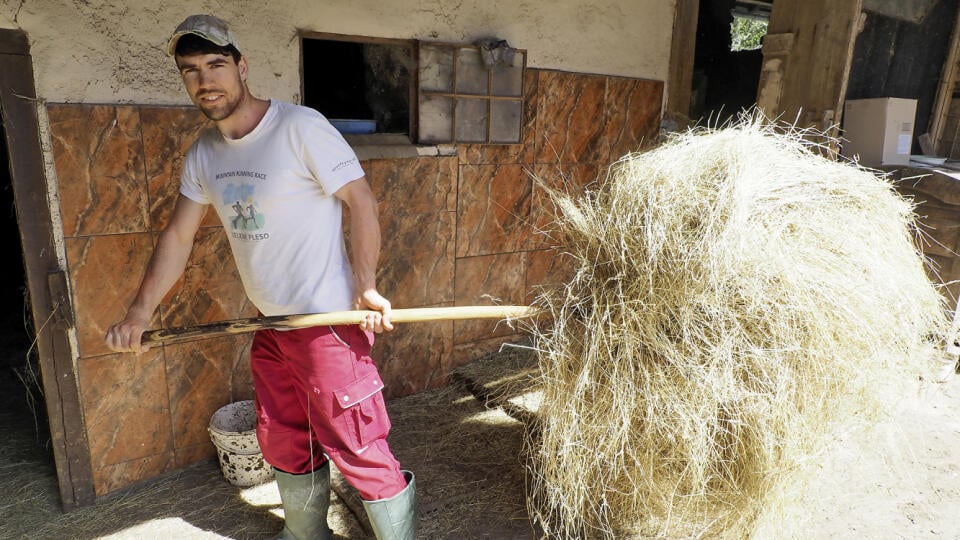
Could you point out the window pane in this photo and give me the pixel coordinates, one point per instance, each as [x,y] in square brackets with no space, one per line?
[505,121]
[436,68]
[471,72]
[436,119]
[471,120]
[508,79]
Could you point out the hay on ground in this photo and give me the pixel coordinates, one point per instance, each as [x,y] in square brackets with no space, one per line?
[737,298]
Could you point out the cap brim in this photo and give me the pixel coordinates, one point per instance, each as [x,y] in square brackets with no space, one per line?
[172,42]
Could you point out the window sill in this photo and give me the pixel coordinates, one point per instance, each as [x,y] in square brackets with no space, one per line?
[391,146]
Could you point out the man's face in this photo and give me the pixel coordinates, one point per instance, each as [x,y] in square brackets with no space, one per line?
[214,82]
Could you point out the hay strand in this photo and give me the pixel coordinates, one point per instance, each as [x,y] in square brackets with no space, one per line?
[737,298]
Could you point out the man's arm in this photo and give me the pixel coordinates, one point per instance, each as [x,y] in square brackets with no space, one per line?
[166,265]
[365,252]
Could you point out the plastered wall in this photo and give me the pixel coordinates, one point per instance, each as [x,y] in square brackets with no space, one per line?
[113,51]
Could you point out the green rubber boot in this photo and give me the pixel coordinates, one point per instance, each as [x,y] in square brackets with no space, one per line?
[395,518]
[305,500]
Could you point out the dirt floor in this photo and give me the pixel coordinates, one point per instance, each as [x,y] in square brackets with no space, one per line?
[465,443]
[467,458]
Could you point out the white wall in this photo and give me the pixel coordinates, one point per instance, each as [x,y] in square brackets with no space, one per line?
[111,51]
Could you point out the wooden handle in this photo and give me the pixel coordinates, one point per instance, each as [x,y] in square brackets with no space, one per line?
[240,326]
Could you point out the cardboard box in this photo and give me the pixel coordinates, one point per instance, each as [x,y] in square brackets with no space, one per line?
[878,131]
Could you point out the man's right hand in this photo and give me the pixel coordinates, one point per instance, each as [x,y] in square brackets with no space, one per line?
[125,335]
[165,268]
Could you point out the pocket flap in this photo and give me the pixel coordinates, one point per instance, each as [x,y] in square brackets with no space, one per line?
[358,390]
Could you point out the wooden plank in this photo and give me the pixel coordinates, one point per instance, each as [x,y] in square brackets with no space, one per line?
[854,24]
[807,84]
[77,489]
[778,44]
[944,99]
[944,146]
[61,391]
[13,42]
[682,51]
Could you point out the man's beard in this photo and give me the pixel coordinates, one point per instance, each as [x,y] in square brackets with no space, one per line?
[221,110]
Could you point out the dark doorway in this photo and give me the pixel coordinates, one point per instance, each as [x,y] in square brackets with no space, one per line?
[55,429]
[725,79]
[23,415]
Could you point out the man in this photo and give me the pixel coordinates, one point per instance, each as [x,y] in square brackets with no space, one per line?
[318,392]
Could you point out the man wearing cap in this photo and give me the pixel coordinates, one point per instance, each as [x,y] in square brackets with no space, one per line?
[317,391]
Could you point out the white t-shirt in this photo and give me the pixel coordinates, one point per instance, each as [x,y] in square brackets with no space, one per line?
[273,190]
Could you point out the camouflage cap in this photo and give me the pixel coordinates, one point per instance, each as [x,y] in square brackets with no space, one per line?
[208,27]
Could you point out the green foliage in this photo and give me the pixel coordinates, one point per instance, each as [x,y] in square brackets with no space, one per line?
[746,34]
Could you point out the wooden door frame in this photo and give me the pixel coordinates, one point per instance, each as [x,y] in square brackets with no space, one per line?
[46,279]
[682,53]
[785,92]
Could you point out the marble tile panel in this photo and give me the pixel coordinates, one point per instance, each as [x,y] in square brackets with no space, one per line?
[477,154]
[572,180]
[125,407]
[105,273]
[570,118]
[184,457]
[199,377]
[488,280]
[493,211]
[414,357]
[210,289]
[98,155]
[632,115]
[548,269]
[415,185]
[110,478]
[168,133]
[417,258]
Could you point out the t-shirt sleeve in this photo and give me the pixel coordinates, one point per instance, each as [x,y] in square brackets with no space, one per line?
[327,154]
[190,186]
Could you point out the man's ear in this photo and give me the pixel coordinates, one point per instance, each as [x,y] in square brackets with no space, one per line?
[242,66]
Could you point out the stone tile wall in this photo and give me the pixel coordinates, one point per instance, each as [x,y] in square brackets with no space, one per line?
[457,230]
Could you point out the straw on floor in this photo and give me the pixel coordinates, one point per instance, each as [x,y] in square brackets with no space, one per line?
[737,299]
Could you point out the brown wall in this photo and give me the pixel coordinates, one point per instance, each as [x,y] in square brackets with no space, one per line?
[455,229]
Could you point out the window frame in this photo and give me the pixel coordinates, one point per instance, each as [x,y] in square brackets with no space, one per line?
[490,97]
[415,92]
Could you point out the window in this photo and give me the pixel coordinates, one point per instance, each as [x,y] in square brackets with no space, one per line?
[430,92]
[470,94]
[362,85]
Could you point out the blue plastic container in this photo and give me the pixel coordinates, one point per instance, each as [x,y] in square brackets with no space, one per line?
[354,126]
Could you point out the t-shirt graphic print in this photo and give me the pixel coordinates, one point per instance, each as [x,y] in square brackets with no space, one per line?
[248,218]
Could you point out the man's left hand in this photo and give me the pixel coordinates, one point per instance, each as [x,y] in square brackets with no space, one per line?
[379,320]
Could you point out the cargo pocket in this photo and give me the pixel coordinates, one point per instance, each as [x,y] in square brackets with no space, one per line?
[363,412]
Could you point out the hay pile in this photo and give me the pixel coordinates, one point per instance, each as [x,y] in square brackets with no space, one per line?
[738,298]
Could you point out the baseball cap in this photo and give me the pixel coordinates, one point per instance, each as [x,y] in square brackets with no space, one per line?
[208,27]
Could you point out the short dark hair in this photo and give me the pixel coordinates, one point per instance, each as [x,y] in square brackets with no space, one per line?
[193,44]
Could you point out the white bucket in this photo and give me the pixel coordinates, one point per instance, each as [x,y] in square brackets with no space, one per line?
[233,430]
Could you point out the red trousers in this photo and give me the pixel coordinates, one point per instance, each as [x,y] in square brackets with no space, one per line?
[318,395]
